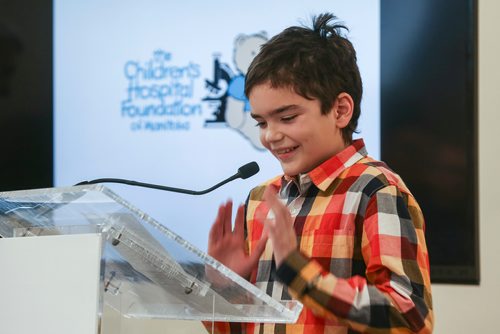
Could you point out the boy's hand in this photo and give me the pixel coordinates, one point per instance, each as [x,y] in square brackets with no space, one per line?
[280,229]
[228,246]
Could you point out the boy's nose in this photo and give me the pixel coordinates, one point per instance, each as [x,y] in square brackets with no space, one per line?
[273,134]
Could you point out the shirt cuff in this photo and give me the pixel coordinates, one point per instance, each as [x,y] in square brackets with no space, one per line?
[299,273]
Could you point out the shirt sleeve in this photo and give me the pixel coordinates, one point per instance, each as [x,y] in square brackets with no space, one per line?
[395,295]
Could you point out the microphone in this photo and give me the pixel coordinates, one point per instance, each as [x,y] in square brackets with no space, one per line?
[244,172]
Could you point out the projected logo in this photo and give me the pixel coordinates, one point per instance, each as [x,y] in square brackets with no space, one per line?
[225,90]
[160,94]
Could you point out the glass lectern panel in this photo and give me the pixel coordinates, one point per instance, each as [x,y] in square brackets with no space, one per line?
[148,271]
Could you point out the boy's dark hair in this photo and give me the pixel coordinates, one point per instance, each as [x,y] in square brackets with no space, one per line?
[317,63]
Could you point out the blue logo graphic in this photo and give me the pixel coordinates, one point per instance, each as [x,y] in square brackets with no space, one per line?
[159,95]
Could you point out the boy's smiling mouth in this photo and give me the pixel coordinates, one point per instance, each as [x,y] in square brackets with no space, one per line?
[284,152]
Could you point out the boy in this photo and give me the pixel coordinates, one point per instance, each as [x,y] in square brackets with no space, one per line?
[338,231]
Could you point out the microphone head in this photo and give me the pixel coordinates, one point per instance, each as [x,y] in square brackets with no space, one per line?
[250,169]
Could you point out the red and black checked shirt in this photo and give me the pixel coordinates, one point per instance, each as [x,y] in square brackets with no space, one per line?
[362,263]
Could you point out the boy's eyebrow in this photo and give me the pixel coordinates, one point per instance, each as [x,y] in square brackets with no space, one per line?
[277,110]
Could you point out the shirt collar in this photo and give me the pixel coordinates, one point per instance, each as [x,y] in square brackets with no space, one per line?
[323,175]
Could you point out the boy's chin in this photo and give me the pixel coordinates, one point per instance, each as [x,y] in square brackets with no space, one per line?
[291,170]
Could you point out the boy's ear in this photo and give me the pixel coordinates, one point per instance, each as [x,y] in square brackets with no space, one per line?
[342,109]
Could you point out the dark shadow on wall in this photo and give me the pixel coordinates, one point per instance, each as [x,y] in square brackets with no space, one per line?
[429,123]
[11,47]
[26,94]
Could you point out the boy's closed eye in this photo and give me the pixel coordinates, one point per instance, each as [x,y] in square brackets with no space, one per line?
[260,124]
[288,118]
[284,119]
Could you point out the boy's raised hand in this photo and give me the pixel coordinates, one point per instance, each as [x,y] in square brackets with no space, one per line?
[280,228]
[228,246]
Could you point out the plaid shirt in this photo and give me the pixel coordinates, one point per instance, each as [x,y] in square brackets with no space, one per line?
[362,263]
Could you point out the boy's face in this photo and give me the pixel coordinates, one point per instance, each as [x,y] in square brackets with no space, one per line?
[293,129]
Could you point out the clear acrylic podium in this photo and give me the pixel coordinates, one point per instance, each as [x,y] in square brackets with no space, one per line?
[144,269]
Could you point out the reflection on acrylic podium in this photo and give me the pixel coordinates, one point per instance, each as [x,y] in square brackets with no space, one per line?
[70,256]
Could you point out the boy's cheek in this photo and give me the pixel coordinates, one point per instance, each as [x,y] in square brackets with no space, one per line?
[262,140]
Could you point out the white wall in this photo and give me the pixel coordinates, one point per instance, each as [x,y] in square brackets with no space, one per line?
[476,309]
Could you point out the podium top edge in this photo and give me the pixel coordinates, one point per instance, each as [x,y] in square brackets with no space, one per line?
[34,191]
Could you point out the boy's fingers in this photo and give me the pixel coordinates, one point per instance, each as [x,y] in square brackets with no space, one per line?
[216,229]
[271,197]
[239,224]
[279,209]
[213,234]
[227,219]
